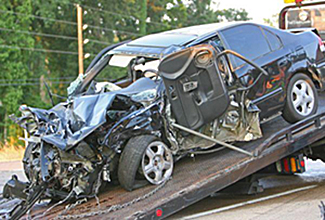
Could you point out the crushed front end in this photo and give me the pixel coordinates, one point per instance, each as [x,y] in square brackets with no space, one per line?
[73,148]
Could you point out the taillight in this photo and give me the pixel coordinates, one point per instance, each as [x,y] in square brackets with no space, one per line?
[291,164]
[159,212]
[302,163]
[321,44]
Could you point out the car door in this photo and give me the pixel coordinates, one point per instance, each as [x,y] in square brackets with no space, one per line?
[194,86]
[264,48]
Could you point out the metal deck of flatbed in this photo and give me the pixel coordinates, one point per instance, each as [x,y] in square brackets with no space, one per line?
[196,178]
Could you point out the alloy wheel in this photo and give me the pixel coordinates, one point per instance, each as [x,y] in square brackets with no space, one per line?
[303,97]
[157,162]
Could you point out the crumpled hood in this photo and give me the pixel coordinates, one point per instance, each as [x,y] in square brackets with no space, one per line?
[86,113]
[73,121]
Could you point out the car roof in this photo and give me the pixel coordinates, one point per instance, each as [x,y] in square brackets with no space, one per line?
[154,44]
[200,30]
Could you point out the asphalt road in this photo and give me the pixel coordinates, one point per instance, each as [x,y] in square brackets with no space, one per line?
[284,197]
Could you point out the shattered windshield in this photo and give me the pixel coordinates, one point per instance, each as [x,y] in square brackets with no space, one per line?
[73,86]
[101,72]
[114,72]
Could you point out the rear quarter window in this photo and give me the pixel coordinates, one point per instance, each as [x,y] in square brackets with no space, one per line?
[274,40]
[247,40]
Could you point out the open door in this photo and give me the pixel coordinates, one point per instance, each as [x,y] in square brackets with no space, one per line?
[194,86]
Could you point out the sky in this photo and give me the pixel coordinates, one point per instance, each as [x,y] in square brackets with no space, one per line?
[257,9]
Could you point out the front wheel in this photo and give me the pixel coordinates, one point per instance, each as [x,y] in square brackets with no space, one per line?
[302,98]
[144,157]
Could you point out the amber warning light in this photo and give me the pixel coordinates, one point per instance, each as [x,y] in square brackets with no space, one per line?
[293,1]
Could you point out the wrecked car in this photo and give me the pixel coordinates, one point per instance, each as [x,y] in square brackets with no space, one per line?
[186,91]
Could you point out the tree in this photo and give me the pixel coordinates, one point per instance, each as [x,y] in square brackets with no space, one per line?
[273,21]
[200,12]
[143,17]
[16,66]
[109,21]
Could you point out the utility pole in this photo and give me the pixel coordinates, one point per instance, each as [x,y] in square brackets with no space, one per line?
[80,41]
[143,17]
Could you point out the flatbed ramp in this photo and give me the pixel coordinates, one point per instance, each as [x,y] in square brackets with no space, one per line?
[198,177]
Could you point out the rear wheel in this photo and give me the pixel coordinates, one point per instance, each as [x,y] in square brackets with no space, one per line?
[302,98]
[147,158]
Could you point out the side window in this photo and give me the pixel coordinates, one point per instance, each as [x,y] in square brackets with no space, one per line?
[274,40]
[247,40]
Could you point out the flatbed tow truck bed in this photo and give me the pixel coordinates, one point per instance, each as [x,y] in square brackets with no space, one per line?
[198,177]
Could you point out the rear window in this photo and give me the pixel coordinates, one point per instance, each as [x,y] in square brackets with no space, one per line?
[247,40]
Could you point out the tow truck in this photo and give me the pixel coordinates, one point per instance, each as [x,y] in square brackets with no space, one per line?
[282,149]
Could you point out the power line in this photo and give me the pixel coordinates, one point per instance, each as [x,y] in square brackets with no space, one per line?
[41,50]
[109,12]
[117,14]
[39,34]
[97,9]
[38,50]
[162,24]
[99,42]
[40,17]
[109,29]
[37,83]
[31,84]
[50,35]
[68,22]
[37,79]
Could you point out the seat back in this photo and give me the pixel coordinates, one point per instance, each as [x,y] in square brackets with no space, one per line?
[194,86]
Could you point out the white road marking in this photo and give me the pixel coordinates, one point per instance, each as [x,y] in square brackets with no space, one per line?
[226,208]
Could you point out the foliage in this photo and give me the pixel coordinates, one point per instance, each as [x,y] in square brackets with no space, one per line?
[200,12]
[273,21]
[109,21]
[15,66]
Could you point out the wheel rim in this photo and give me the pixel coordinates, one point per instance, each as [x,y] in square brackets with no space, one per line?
[302,97]
[157,162]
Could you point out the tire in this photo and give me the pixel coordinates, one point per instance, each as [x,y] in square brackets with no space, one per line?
[26,162]
[133,159]
[301,99]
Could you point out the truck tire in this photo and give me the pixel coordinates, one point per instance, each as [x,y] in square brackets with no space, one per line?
[301,100]
[131,174]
